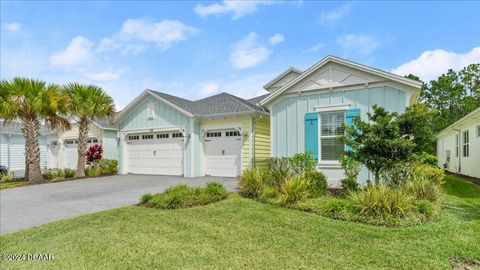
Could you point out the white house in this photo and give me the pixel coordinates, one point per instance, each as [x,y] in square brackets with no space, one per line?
[458,146]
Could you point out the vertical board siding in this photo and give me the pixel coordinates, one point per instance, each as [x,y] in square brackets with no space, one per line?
[109,144]
[262,141]
[287,134]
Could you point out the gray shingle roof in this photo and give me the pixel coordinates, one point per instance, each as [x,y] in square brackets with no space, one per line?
[257,100]
[223,103]
[16,128]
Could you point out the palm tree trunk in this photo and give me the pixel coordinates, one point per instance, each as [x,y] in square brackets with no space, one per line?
[32,150]
[82,145]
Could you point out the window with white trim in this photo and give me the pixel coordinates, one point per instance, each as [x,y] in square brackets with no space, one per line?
[147,137]
[478,131]
[162,136]
[133,137]
[457,145]
[214,134]
[177,135]
[331,126]
[466,144]
[150,111]
[232,133]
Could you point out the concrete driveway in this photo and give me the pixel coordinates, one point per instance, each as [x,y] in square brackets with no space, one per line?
[25,207]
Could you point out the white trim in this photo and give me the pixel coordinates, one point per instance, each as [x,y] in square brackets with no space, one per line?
[330,58]
[458,123]
[148,130]
[283,74]
[328,109]
[331,108]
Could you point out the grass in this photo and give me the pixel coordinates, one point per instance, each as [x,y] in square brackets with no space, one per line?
[241,233]
[12,184]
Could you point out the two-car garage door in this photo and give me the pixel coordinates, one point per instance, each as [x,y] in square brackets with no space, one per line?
[155,153]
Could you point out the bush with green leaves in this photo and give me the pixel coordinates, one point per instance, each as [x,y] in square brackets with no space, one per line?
[423,189]
[278,169]
[294,189]
[425,208]
[48,175]
[398,175]
[317,183]
[93,171]
[427,159]
[252,182]
[8,177]
[182,196]
[69,173]
[349,185]
[302,163]
[108,166]
[428,172]
[381,202]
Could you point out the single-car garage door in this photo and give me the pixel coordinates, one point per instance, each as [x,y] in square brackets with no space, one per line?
[155,153]
[71,151]
[222,152]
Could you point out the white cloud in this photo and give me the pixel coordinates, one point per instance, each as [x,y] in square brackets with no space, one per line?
[237,9]
[105,75]
[12,27]
[77,53]
[137,33]
[334,16]
[248,86]
[361,45]
[276,39]
[248,52]
[209,88]
[431,64]
[314,48]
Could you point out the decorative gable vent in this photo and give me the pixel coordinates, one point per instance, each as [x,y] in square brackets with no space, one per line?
[150,111]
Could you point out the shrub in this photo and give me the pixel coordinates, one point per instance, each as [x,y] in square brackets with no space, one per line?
[48,175]
[336,208]
[350,166]
[108,166]
[278,169]
[427,159]
[302,163]
[8,177]
[425,208]
[349,185]
[182,196]
[69,173]
[317,183]
[294,190]
[268,194]
[252,182]
[428,172]
[60,174]
[398,175]
[93,170]
[422,188]
[93,154]
[379,201]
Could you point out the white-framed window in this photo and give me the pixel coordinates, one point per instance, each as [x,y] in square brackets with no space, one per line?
[232,133]
[162,136]
[150,111]
[478,131]
[177,135]
[466,144]
[147,136]
[214,134]
[331,126]
[457,145]
[92,141]
[133,137]
[71,142]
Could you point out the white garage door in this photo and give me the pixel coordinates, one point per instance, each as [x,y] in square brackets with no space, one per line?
[222,152]
[71,152]
[155,153]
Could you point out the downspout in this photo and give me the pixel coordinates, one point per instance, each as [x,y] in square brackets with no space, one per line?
[459,149]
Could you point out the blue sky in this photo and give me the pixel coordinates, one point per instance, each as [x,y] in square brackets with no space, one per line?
[196,49]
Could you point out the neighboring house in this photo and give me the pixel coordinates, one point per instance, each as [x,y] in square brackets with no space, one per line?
[458,146]
[307,109]
[167,135]
[63,144]
[12,147]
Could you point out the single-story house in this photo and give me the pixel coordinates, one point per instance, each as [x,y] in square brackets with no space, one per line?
[12,147]
[219,135]
[307,108]
[458,146]
[62,145]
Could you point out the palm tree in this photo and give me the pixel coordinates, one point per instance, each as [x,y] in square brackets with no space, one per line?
[86,102]
[31,101]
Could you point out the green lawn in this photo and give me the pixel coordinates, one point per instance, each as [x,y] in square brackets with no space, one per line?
[12,184]
[240,233]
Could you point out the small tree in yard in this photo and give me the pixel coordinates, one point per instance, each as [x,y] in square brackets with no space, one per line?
[379,143]
[94,154]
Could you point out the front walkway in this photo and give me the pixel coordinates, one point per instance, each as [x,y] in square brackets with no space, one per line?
[29,206]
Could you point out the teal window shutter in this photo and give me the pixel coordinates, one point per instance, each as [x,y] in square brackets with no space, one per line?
[311,134]
[349,116]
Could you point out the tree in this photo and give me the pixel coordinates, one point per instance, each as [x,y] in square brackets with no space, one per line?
[380,143]
[31,102]
[417,124]
[86,102]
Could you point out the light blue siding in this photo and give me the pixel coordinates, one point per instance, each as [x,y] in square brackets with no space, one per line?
[166,116]
[287,132]
[110,144]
